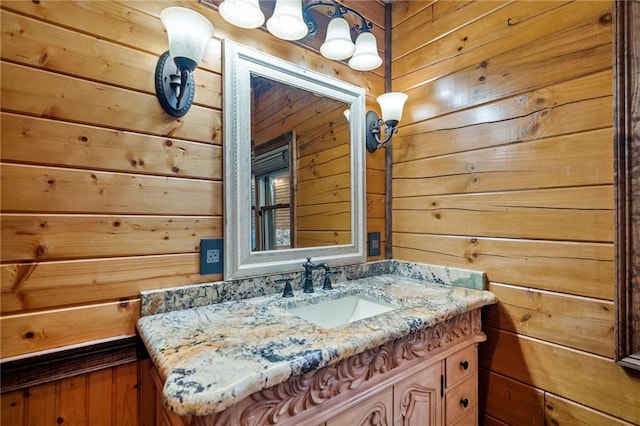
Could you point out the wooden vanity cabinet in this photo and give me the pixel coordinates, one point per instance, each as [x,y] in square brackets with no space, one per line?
[426,378]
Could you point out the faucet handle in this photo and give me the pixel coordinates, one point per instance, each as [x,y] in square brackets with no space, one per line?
[288,291]
[327,279]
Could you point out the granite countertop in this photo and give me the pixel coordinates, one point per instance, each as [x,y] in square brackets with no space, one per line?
[211,357]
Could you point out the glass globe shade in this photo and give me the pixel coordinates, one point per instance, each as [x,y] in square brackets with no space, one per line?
[286,22]
[366,56]
[242,13]
[338,44]
[391,105]
[188,33]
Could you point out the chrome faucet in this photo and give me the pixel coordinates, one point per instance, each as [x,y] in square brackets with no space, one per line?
[308,276]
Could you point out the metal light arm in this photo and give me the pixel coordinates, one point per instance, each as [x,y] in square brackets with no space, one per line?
[340,10]
[373,131]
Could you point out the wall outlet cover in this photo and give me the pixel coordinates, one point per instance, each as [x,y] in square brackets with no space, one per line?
[373,243]
[211,256]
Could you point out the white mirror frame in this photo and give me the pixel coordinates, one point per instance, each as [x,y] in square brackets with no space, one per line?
[239,62]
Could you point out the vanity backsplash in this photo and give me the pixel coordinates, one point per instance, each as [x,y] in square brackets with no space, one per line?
[185,297]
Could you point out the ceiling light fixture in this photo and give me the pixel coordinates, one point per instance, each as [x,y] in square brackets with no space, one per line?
[292,21]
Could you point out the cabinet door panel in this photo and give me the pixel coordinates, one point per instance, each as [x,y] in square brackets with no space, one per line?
[373,411]
[417,400]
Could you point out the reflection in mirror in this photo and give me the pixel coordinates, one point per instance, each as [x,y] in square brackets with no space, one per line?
[294,166]
[300,169]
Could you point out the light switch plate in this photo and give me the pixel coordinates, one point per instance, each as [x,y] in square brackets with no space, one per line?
[211,256]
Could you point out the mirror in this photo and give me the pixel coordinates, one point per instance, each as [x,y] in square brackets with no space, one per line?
[300,168]
[294,166]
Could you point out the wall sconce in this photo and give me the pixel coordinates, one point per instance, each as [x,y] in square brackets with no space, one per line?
[188,33]
[292,21]
[391,105]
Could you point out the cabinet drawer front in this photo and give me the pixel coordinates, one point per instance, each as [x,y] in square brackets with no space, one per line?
[461,365]
[460,400]
[469,419]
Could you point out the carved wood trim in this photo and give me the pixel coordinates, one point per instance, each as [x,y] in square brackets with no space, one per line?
[627,180]
[283,402]
[412,396]
[377,416]
[37,369]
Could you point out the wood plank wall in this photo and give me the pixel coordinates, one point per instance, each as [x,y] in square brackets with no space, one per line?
[103,194]
[503,163]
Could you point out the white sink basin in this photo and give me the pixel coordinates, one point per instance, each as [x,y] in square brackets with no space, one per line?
[333,313]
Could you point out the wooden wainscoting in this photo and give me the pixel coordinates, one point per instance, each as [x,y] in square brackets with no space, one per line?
[116,396]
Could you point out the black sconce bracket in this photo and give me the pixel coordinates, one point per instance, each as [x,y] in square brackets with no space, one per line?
[174,88]
[373,124]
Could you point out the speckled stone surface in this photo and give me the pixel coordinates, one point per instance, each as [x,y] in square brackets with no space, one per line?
[185,297]
[213,356]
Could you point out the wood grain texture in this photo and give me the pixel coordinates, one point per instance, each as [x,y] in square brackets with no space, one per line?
[49,329]
[505,394]
[547,315]
[577,214]
[106,397]
[47,142]
[504,163]
[30,189]
[564,412]
[37,285]
[627,164]
[583,269]
[589,380]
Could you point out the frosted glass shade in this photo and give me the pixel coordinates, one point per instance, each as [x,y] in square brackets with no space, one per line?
[286,22]
[242,13]
[188,33]
[338,44]
[366,56]
[391,105]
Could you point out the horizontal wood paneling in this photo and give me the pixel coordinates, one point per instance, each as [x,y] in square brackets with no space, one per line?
[493,78]
[564,412]
[543,113]
[577,214]
[67,98]
[411,34]
[587,379]
[47,142]
[503,163]
[73,53]
[547,316]
[583,269]
[40,331]
[27,286]
[58,237]
[28,189]
[506,394]
[512,166]
[516,24]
